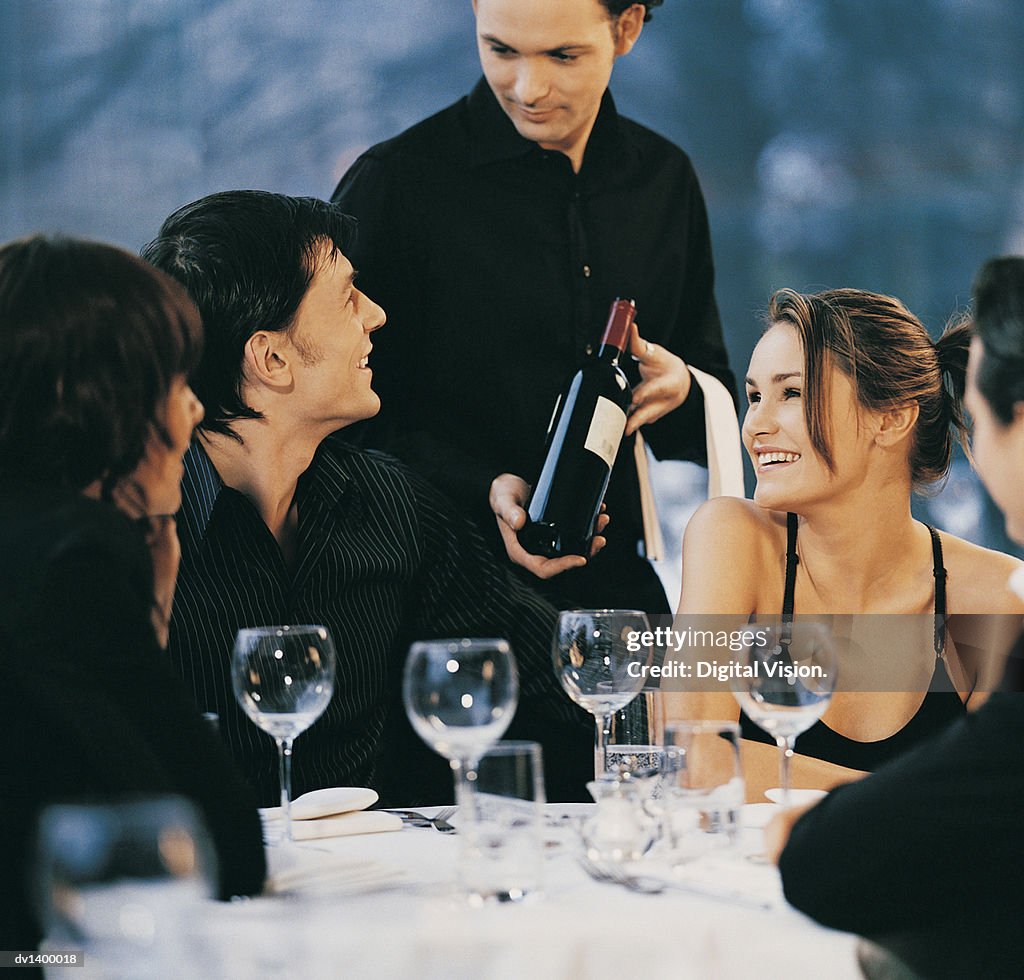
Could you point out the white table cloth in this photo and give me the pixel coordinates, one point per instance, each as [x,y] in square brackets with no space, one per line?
[578,928]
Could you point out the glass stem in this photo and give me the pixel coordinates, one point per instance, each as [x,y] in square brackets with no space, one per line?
[464,771]
[602,733]
[786,747]
[284,760]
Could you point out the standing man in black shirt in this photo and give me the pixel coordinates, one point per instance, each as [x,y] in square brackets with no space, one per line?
[536,204]
[282,522]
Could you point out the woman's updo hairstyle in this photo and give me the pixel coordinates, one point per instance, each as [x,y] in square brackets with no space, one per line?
[891,361]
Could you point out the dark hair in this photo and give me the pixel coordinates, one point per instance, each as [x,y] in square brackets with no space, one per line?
[999,322]
[96,338]
[616,7]
[886,352]
[247,259]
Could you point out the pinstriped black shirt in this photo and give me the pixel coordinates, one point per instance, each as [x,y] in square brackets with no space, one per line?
[383,560]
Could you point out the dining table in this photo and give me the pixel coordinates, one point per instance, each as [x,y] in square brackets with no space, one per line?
[388,905]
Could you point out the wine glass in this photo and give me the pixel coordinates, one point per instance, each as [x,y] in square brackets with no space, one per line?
[790,684]
[597,668]
[283,678]
[460,696]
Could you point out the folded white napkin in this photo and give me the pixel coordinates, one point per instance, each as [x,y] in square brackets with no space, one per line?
[316,872]
[336,811]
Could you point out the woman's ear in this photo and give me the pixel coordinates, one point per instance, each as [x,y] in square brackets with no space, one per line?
[896,424]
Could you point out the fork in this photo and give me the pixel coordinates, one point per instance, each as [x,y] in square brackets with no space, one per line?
[439,823]
[651,885]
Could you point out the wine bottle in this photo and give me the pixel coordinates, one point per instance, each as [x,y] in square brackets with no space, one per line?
[582,443]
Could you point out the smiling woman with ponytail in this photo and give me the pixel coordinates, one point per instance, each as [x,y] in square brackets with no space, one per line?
[852,408]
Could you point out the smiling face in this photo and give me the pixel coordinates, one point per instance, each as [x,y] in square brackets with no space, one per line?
[159,474]
[330,337]
[998,449]
[548,64]
[790,473]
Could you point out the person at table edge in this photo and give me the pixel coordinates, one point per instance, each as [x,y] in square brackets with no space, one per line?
[283,522]
[923,855]
[93,427]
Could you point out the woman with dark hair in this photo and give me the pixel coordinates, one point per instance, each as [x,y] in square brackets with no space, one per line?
[886,857]
[95,416]
[851,408]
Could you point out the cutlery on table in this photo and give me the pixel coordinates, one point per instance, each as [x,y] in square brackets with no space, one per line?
[655,885]
[438,822]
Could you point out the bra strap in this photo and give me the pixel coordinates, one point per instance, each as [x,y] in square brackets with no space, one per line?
[792,560]
[939,571]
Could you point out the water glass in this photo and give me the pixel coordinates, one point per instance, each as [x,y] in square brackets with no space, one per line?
[126,882]
[635,737]
[702,789]
[502,850]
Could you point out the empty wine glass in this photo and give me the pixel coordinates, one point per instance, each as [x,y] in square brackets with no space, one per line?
[283,678]
[597,669]
[460,696]
[790,685]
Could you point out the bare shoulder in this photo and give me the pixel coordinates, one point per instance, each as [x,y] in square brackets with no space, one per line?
[735,520]
[978,577]
[727,544]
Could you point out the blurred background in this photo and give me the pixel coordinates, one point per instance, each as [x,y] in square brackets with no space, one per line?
[874,144]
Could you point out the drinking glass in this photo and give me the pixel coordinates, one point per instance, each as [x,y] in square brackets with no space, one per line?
[702,787]
[790,684]
[502,851]
[460,696]
[597,669]
[126,882]
[283,678]
[635,737]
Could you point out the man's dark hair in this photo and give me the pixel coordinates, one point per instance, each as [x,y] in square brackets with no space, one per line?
[999,322]
[616,7]
[246,258]
[95,338]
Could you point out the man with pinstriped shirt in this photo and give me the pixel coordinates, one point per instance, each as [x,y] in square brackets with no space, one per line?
[282,522]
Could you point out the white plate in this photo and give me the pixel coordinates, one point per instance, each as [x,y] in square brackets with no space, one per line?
[797,797]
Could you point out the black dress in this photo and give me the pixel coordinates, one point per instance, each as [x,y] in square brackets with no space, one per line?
[939,708]
[91,709]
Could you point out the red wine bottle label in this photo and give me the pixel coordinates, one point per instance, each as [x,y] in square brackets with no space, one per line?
[606,428]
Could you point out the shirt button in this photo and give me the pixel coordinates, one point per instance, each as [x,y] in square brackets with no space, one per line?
[586,272]
[590,349]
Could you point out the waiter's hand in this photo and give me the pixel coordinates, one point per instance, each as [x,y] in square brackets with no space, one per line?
[664,386]
[507,498]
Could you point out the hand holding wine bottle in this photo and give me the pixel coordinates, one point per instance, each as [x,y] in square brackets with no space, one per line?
[508,497]
[665,382]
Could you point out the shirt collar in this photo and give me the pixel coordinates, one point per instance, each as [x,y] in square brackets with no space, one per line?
[326,478]
[200,487]
[495,138]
